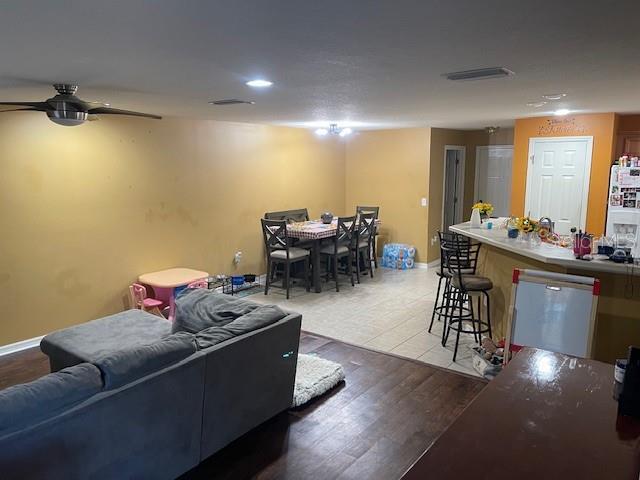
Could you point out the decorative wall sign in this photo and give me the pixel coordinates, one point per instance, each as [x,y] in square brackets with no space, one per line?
[561,127]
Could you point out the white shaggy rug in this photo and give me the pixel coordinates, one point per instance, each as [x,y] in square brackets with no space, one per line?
[315,376]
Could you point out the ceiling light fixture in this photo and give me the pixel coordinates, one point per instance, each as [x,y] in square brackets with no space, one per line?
[554,96]
[232,101]
[334,130]
[561,112]
[491,130]
[259,83]
[536,104]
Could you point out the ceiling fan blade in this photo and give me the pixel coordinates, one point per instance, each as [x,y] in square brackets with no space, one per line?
[41,106]
[21,110]
[117,111]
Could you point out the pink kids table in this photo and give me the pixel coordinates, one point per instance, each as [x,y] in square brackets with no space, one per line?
[166,283]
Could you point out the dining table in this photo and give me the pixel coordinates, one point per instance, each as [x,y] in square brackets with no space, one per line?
[314,232]
[168,283]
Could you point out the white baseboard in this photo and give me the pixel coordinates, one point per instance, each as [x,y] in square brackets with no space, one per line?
[433,264]
[19,346]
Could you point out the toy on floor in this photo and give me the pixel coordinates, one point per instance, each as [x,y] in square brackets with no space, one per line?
[488,358]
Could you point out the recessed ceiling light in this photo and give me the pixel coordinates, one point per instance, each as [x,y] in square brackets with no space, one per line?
[554,96]
[322,132]
[536,104]
[259,83]
[561,111]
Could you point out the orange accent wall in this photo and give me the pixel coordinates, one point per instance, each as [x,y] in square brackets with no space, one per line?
[601,126]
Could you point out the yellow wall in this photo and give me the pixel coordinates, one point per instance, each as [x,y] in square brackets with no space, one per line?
[84,210]
[601,126]
[470,139]
[389,168]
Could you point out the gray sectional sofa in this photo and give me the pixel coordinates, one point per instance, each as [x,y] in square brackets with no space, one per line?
[148,404]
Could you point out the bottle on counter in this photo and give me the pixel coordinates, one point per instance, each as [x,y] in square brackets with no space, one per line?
[475,218]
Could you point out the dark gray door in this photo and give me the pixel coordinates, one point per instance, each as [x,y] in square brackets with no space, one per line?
[451,186]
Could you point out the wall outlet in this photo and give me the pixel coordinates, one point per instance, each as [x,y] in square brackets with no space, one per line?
[237,257]
[434,240]
[423,202]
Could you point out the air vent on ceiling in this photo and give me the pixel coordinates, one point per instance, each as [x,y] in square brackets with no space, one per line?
[479,74]
[232,101]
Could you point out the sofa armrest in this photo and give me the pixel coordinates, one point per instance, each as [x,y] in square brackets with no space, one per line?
[247,381]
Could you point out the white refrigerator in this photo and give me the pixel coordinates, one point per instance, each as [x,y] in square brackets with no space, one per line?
[623,212]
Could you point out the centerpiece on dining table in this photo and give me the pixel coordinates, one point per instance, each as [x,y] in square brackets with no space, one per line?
[327,218]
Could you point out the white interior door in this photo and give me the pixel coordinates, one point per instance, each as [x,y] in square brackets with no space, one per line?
[558,180]
[493,177]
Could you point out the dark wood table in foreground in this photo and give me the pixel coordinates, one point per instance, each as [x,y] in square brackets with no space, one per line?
[546,416]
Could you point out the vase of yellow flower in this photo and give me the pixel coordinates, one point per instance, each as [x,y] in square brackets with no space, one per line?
[527,227]
[485,209]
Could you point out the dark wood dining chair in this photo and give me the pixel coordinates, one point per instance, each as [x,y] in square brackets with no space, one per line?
[341,247]
[280,252]
[362,250]
[296,215]
[363,209]
[290,216]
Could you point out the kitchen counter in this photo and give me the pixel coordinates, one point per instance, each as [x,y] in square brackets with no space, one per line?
[557,419]
[545,252]
[618,312]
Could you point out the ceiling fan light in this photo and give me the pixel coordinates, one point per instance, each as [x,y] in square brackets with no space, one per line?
[554,96]
[345,131]
[259,83]
[322,132]
[67,118]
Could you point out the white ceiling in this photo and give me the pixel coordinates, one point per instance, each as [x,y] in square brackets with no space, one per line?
[369,63]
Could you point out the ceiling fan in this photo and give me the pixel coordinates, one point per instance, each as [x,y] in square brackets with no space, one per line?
[68,110]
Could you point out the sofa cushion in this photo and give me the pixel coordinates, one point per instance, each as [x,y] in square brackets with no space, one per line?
[197,309]
[88,341]
[29,403]
[124,366]
[260,317]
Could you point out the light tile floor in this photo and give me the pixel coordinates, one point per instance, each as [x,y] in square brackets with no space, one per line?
[390,313]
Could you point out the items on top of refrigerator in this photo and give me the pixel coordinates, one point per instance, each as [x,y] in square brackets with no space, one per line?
[629,160]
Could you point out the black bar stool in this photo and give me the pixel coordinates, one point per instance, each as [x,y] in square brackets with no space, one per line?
[463,289]
[444,275]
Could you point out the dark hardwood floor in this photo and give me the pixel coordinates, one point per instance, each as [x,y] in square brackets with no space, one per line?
[23,367]
[374,426]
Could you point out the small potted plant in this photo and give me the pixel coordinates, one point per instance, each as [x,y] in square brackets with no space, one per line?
[485,209]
